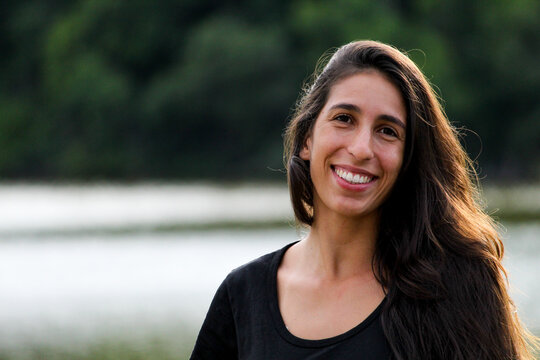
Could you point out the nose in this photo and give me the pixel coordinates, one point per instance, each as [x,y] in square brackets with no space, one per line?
[361,145]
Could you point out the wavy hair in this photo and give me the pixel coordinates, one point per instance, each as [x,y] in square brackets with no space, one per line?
[438,254]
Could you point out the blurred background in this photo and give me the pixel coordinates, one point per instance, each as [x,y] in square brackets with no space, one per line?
[141,151]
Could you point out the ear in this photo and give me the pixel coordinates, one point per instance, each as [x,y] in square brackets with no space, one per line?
[305,153]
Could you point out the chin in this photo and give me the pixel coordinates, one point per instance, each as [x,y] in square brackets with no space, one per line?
[355,212]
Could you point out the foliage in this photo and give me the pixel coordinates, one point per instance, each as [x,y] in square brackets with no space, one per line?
[190,89]
[104,350]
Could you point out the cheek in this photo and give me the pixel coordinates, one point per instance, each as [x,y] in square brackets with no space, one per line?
[329,142]
[319,148]
[392,160]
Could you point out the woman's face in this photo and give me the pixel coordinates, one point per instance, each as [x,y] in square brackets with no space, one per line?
[356,146]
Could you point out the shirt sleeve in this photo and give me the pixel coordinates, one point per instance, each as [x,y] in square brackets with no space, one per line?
[217,338]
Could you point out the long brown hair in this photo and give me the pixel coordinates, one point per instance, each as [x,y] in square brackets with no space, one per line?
[438,255]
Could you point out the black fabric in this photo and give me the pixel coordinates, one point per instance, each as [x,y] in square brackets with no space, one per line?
[244,322]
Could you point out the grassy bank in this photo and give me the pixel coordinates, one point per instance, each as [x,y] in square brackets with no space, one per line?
[155,348]
[108,350]
[513,203]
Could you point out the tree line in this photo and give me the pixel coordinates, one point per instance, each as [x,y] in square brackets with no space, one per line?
[191,89]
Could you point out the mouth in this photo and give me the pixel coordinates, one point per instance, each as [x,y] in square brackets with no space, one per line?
[352,177]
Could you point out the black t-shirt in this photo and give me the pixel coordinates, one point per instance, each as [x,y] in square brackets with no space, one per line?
[244,322]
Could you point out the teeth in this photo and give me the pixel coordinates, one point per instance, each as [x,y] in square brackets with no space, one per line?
[353,178]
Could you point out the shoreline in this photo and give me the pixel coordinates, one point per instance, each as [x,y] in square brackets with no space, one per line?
[41,209]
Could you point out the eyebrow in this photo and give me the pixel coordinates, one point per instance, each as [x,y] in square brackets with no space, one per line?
[352,107]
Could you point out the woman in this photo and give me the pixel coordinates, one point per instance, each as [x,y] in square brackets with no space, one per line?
[400,261]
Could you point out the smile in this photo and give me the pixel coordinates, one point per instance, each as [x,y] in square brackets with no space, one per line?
[353,178]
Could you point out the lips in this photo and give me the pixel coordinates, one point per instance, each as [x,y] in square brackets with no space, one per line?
[352,175]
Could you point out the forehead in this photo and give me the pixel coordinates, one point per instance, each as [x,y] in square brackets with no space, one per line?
[369,90]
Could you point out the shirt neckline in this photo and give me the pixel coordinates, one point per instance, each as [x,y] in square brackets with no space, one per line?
[280,324]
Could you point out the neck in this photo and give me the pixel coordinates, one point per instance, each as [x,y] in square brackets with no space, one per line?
[342,247]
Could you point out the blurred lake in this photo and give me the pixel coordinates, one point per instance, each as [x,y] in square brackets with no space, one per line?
[79,264]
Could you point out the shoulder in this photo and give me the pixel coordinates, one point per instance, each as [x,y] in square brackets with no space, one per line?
[255,272]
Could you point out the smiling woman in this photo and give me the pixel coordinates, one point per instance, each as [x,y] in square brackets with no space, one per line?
[400,262]
[357,143]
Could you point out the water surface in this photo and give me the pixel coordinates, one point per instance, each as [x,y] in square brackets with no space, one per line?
[73,290]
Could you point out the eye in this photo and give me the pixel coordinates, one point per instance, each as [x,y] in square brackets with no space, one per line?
[345,118]
[389,131]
